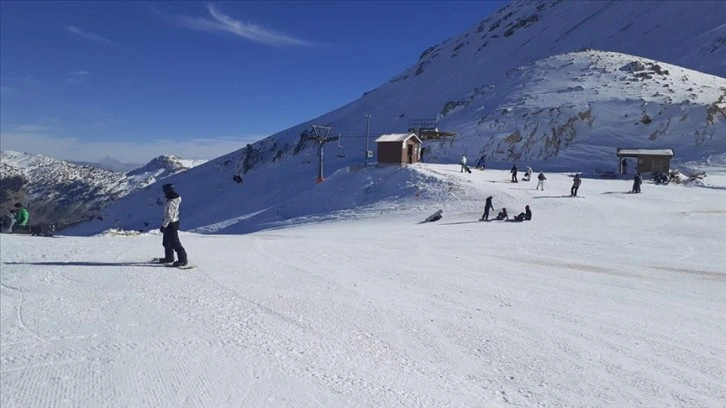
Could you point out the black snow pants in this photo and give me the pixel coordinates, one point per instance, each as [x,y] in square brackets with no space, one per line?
[171,243]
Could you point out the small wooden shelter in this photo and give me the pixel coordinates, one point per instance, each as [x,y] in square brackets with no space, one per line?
[399,148]
[647,160]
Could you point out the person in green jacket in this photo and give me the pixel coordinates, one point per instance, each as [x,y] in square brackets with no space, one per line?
[22,217]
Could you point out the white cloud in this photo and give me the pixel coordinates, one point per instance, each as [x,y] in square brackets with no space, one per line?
[81,73]
[69,148]
[219,22]
[90,36]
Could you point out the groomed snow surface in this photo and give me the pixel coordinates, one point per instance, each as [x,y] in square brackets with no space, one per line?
[609,300]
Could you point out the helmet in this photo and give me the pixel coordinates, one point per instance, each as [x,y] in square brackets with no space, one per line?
[167,187]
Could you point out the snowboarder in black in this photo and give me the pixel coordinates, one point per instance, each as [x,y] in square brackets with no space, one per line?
[170,228]
[487,206]
[575,185]
[480,165]
[514,174]
[637,181]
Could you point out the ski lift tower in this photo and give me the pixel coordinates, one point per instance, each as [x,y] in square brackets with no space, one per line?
[320,138]
[428,129]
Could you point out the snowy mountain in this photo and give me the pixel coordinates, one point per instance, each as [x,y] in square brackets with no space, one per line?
[62,193]
[554,85]
[162,167]
[555,112]
[109,163]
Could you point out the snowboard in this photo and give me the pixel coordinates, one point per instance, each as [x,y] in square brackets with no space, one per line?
[434,217]
[187,266]
[157,261]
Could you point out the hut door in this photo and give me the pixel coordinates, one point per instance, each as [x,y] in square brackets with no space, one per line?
[409,153]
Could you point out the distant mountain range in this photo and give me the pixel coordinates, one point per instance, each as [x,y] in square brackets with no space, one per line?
[109,163]
[65,193]
[557,85]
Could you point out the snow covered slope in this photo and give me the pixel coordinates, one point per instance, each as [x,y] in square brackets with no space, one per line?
[610,300]
[62,193]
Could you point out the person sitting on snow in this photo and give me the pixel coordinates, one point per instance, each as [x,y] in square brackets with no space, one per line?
[503,215]
[527,174]
[526,215]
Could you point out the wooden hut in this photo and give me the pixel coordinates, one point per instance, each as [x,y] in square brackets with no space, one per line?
[646,160]
[399,148]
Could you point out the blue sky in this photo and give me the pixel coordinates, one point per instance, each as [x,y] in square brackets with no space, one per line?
[133,80]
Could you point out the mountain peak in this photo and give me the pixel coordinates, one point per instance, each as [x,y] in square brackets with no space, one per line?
[165,166]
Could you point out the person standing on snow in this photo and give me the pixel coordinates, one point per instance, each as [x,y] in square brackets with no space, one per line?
[22,217]
[575,185]
[541,179]
[463,162]
[487,206]
[637,181]
[514,173]
[480,165]
[170,228]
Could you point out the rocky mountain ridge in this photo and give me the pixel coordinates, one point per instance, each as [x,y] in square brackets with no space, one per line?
[63,193]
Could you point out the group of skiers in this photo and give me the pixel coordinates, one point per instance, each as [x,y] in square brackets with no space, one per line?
[18,217]
[527,214]
[502,215]
[514,171]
